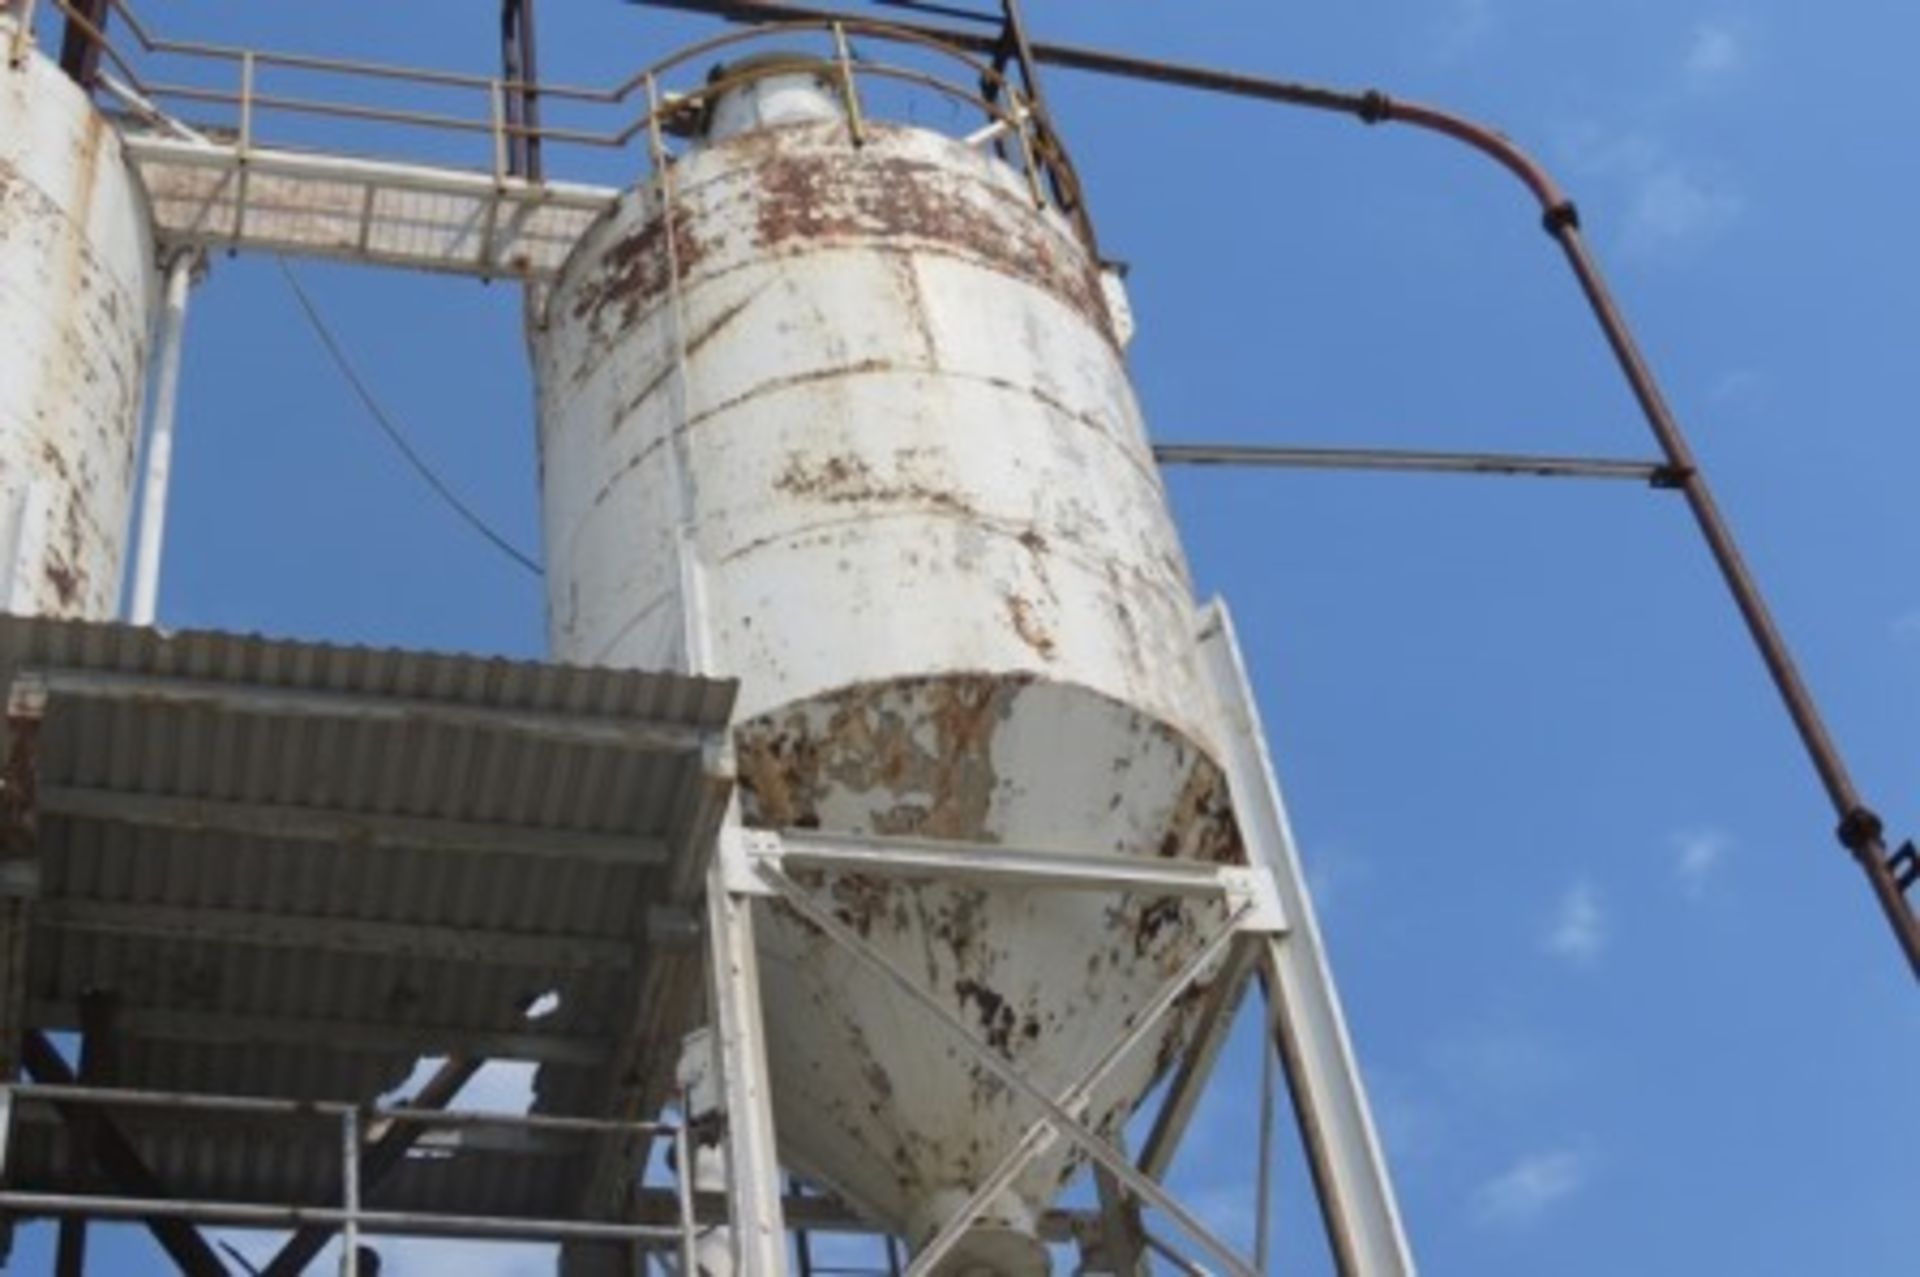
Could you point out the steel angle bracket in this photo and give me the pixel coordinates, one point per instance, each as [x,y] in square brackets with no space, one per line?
[744,855]
[1254,897]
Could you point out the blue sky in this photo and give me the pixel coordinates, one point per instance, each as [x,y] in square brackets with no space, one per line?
[1624,1006]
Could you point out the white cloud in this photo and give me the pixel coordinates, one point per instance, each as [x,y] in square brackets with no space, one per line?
[1672,205]
[1497,1065]
[1522,1192]
[1577,931]
[1738,388]
[1717,51]
[1667,202]
[1697,857]
[1334,874]
[1462,28]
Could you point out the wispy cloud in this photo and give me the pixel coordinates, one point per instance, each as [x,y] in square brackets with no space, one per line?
[1462,28]
[1497,1065]
[1577,930]
[1698,855]
[1716,51]
[1738,388]
[1672,205]
[1525,1190]
[1333,874]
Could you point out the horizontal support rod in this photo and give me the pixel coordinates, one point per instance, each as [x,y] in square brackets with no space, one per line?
[367,831]
[825,1214]
[983,863]
[337,935]
[368,1036]
[154,691]
[412,1113]
[386,175]
[402,1223]
[1484,463]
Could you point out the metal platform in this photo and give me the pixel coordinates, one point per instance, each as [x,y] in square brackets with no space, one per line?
[294,870]
[216,192]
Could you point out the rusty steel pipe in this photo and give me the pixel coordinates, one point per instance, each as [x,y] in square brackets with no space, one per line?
[1860,829]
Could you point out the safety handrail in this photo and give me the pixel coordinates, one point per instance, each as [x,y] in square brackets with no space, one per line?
[1008,118]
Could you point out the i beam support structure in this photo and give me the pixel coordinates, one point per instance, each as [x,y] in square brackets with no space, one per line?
[122,1164]
[1892,874]
[758,1228]
[1357,1200]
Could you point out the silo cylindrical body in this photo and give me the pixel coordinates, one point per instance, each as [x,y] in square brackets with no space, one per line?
[850,422]
[78,290]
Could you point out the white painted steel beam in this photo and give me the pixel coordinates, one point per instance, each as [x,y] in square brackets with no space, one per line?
[985,864]
[338,935]
[1356,1192]
[758,1226]
[156,483]
[157,691]
[348,829]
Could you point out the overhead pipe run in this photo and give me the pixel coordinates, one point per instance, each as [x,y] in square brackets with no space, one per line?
[1860,830]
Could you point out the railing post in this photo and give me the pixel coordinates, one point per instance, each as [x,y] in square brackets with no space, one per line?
[243,154]
[497,121]
[656,144]
[843,55]
[23,33]
[1023,124]
[350,1192]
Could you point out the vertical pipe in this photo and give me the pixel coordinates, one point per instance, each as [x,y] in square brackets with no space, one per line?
[530,99]
[156,481]
[350,1193]
[1860,830]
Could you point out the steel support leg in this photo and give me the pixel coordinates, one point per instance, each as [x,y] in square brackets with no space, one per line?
[157,480]
[1123,1239]
[96,1069]
[740,1058]
[1356,1194]
[124,1167]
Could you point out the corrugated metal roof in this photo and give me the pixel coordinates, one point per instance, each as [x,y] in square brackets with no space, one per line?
[226,843]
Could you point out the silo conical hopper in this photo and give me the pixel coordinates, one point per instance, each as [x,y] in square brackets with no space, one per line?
[849,419]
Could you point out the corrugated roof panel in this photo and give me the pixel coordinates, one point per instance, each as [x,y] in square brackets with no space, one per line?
[318,1003]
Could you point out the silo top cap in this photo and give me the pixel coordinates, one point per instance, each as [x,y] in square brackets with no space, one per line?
[775,87]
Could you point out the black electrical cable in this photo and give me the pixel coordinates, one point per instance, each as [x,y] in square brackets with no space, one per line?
[394,434]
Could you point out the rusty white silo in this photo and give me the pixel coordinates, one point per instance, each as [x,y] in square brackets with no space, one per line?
[854,426]
[77,295]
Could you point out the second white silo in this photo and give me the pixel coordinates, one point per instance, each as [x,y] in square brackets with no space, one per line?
[77,296]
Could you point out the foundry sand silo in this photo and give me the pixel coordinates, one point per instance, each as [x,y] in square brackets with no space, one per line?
[77,295]
[854,426]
